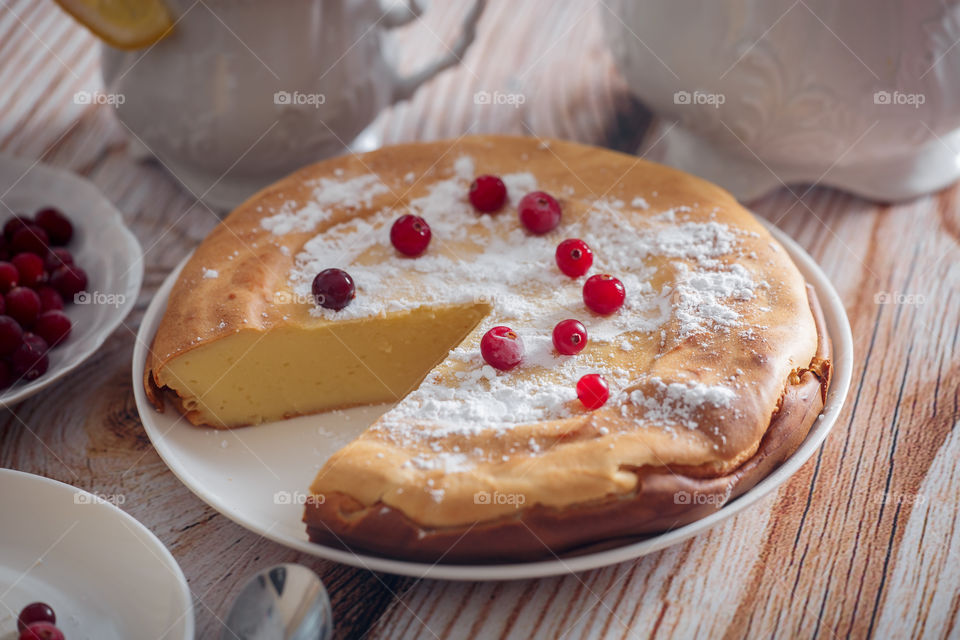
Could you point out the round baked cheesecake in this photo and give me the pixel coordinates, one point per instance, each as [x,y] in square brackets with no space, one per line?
[699,363]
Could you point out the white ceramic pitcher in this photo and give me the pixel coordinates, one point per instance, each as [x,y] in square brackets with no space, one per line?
[859,94]
[243,92]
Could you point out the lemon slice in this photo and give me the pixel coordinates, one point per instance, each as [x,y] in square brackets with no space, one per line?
[125,24]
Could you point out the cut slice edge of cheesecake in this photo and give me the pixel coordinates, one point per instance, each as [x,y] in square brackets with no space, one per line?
[255,376]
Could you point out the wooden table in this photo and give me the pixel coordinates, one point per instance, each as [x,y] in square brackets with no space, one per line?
[863,540]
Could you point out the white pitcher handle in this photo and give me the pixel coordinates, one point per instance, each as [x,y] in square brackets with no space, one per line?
[404,86]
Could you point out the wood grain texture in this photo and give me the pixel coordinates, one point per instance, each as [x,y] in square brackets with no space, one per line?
[864,540]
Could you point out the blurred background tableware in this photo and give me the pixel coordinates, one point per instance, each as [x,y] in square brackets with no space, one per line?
[861,95]
[282,602]
[239,94]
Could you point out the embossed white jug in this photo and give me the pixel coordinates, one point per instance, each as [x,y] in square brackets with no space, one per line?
[863,95]
[245,91]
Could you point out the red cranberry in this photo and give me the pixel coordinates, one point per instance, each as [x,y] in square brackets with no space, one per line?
[9,276]
[42,631]
[30,360]
[30,239]
[333,289]
[539,212]
[23,305]
[569,337]
[57,225]
[502,348]
[35,612]
[593,391]
[57,257]
[574,257]
[603,294]
[3,306]
[53,327]
[69,280]
[4,248]
[50,299]
[13,225]
[11,335]
[30,268]
[488,193]
[410,235]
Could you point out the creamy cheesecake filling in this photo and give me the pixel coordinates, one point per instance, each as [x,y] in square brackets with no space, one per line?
[252,377]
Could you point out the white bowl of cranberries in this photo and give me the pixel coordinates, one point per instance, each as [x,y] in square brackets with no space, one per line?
[70,272]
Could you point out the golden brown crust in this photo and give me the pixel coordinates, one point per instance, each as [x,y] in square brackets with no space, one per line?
[664,499]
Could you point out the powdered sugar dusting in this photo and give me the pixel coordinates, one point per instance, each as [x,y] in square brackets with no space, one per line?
[358,191]
[679,402]
[490,260]
[446,462]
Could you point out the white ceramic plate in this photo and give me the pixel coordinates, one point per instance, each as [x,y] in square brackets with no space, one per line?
[101,245]
[257,476]
[105,575]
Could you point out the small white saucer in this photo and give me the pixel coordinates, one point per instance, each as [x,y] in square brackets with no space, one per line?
[105,575]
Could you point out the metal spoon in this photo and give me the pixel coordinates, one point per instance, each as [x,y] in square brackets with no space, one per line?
[283,602]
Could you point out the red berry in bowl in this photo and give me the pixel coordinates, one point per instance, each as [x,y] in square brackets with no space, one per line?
[13,225]
[488,193]
[603,294]
[30,360]
[569,337]
[11,335]
[9,276]
[30,239]
[593,391]
[42,631]
[57,225]
[23,305]
[30,268]
[53,327]
[50,299]
[410,235]
[57,257]
[333,289]
[574,257]
[502,348]
[35,612]
[539,212]
[69,280]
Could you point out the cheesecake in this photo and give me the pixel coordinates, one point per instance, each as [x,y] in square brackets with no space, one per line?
[713,362]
